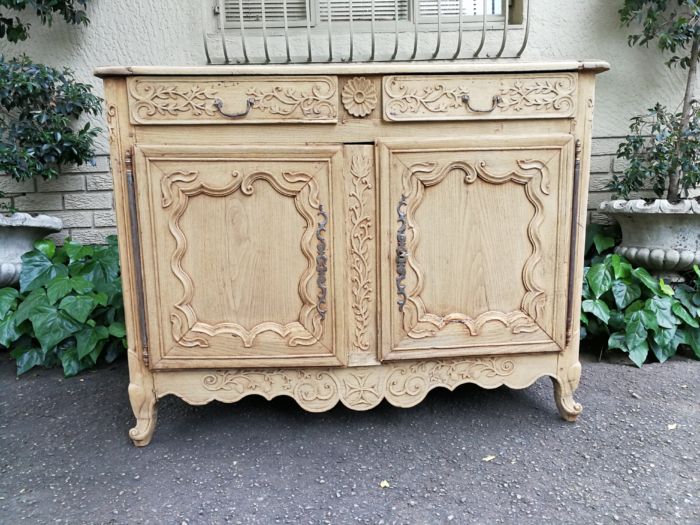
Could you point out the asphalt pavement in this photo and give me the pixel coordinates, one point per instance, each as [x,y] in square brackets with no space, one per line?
[469,456]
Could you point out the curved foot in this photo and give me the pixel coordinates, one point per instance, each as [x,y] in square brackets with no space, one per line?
[142,432]
[564,388]
[143,400]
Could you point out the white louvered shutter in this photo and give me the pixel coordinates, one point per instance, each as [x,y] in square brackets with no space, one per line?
[362,10]
[450,8]
[274,12]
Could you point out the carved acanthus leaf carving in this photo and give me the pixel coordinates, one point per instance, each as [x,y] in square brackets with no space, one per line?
[151,99]
[539,94]
[436,99]
[319,101]
[360,237]
[402,383]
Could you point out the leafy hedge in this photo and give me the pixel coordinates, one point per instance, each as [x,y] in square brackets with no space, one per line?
[68,309]
[635,312]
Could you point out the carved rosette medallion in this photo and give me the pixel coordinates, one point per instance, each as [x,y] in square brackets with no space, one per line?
[359,97]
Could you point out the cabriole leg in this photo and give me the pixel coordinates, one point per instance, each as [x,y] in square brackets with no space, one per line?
[143,400]
[564,388]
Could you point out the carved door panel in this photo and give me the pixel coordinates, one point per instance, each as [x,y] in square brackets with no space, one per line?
[238,249]
[475,245]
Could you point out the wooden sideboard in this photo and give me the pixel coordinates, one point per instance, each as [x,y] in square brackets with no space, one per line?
[350,233]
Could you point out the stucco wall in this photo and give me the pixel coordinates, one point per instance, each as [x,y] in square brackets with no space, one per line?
[170,33]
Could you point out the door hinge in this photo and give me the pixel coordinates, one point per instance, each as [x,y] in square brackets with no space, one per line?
[136,252]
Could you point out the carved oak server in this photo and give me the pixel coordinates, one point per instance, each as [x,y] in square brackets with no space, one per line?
[352,232]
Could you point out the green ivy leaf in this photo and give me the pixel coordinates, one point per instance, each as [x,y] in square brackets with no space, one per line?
[37,270]
[665,344]
[81,285]
[8,300]
[78,307]
[597,308]
[678,309]
[636,333]
[117,329]
[647,280]
[87,339]
[58,288]
[599,279]
[29,359]
[603,242]
[692,339]
[660,307]
[70,362]
[625,294]
[27,307]
[8,331]
[665,289]
[617,320]
[46,247]
[621,269]
[52,326]
[639,354]
[685,295]
[617,340]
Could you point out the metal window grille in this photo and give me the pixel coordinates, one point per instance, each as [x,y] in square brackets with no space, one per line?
[292,31]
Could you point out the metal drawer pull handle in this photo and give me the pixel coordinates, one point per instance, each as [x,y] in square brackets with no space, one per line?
[219,105]
[494,104]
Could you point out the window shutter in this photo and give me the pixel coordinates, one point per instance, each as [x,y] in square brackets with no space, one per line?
[429,8]
[362,10]
[252,12]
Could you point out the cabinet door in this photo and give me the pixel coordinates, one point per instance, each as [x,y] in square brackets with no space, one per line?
[238,248]
[475,245]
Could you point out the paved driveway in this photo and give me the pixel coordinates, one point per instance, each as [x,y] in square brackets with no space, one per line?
[66,457]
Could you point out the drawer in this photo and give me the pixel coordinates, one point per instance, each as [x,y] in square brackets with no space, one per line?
[479,97]
[245,100]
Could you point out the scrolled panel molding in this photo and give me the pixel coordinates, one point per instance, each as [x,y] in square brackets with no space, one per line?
[418,322]
[177,187]
[403,383]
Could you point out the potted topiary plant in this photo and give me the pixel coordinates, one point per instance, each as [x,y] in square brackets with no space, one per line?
[39,110]
[663,150]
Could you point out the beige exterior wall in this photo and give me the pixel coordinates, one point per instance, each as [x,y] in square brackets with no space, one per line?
[136,32]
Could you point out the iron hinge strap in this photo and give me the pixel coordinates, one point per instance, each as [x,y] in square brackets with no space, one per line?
[136,251]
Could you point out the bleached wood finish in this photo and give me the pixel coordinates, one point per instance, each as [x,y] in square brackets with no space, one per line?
[359,259]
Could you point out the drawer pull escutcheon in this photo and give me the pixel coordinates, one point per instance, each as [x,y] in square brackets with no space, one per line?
[219,105]
[494,104]
[321,263]
[401,254]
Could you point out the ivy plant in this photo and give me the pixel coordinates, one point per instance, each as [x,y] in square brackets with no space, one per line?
[632,311]
[68,309]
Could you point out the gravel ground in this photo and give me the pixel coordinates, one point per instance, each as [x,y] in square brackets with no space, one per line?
[633,456]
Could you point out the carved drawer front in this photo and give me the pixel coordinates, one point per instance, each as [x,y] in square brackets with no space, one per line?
[474,97]
[238,249]
[243,100]
[475,244]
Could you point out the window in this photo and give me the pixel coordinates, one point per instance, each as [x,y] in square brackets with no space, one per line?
[409,11]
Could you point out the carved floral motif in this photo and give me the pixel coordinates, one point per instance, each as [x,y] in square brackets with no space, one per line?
[406,98]
[402,384]
[359,96]
[309,98]
[360,237]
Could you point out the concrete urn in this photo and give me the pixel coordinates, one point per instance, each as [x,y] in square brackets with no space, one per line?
[660,236]
[18,233]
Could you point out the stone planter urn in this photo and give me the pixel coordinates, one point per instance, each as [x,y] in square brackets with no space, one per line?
[660,236]
[18,233]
